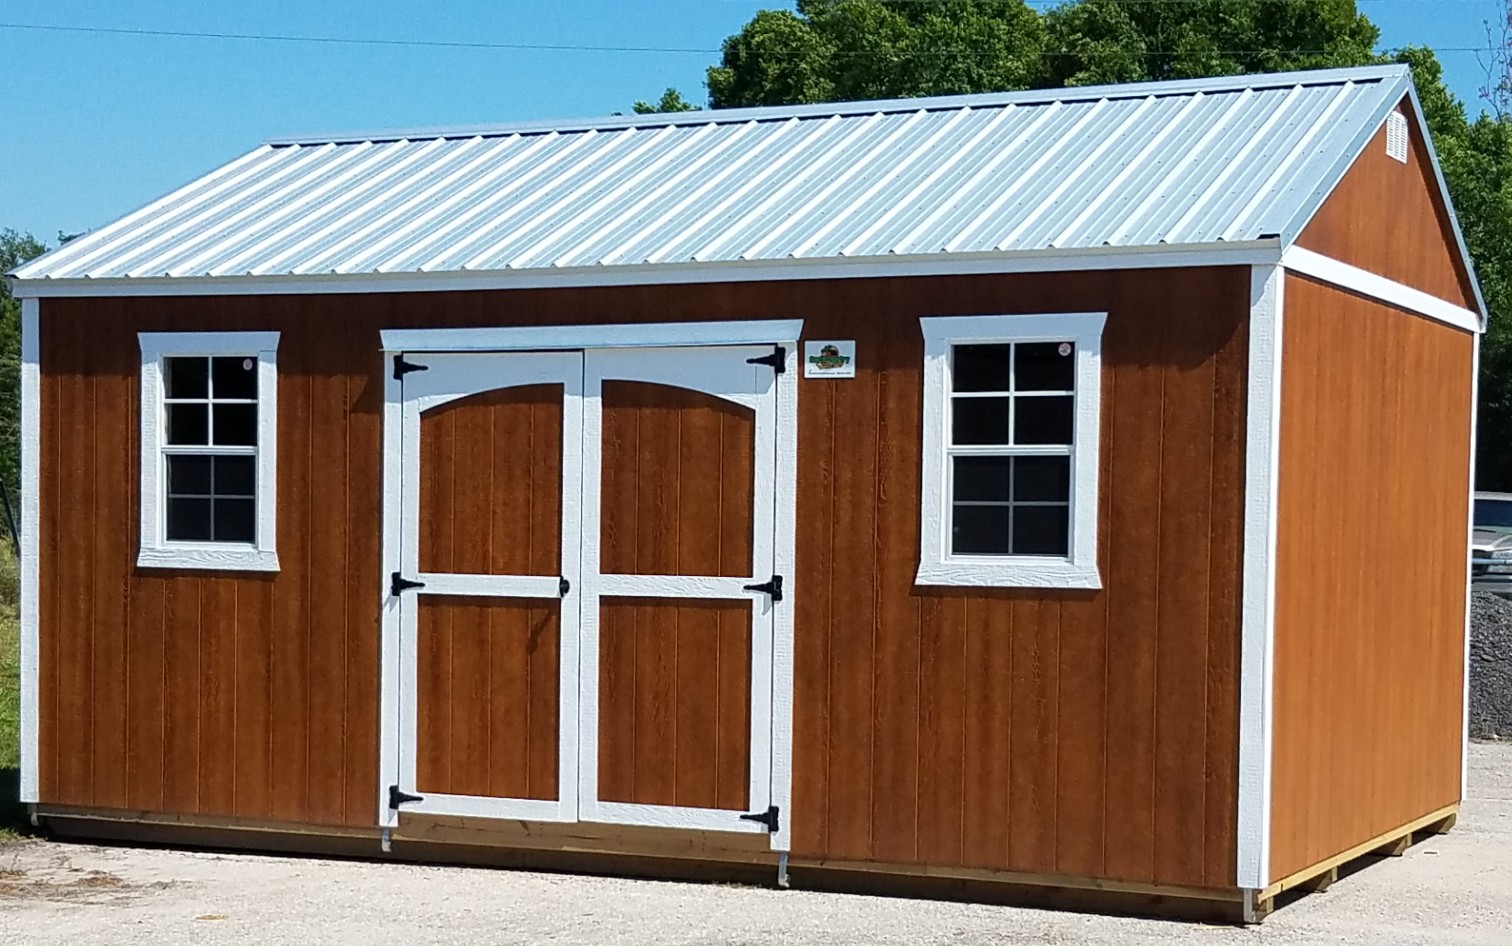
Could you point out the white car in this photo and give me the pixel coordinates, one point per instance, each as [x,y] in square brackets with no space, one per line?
[1491,544]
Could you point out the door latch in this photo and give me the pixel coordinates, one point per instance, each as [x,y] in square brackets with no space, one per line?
[773,587]
[771,818]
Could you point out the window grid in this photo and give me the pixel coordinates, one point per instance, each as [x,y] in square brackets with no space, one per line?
[209,448]
[1008,450]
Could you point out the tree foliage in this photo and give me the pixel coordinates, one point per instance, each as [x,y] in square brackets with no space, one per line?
[671,101]
[15,249]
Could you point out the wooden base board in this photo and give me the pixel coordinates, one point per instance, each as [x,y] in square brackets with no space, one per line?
[1395,842]
[641,852]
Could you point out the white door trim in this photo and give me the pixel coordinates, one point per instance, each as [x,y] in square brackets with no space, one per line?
[557,337]
[31,521]
[782,534]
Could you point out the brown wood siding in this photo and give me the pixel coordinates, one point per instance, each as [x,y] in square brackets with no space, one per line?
[1387,217]
[491,483]
[675,702]
[487,697]
[677,481]
[1087,733]
[1370,579]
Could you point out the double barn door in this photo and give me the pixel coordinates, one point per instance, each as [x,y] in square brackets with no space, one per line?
[585,592]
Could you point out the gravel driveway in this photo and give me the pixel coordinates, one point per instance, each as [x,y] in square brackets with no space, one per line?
[1451,889]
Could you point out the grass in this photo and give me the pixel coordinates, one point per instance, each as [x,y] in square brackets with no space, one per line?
[12,812]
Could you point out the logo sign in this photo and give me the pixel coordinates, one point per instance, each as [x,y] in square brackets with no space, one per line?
[829,359]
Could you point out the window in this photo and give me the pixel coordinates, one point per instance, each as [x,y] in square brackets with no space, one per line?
[1011,411]
[209,416]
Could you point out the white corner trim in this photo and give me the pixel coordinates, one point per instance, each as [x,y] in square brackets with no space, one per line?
[557,337]
[156,550]
[1469,577]
[936,565]
[31,517]
[1245,253]
[1336,273]
[1257,625]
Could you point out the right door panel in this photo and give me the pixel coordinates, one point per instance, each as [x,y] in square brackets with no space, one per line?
[679,470]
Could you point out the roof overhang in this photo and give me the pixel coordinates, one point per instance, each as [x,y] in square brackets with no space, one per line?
[1250,253]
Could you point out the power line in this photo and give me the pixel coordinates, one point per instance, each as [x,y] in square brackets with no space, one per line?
[565,47]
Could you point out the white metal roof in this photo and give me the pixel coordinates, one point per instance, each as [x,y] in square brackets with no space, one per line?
[1183,164]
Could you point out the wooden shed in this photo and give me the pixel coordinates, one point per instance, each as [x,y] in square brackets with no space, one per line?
[1058,495]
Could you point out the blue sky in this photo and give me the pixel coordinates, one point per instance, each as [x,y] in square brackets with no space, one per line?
[100,124]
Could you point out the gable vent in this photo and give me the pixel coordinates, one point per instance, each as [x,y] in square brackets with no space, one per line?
[1396,136]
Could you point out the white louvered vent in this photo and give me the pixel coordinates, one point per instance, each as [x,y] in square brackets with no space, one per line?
[1396,136]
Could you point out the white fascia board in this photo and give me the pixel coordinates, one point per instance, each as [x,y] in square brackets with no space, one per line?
[1258,586]
[1353,278]
[551,337]
[1246,253]
[31,481]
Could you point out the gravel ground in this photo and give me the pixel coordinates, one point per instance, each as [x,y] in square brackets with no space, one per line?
[1490,667]
[1455,889]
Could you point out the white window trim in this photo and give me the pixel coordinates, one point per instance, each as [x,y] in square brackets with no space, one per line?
[936,565]
[156,551]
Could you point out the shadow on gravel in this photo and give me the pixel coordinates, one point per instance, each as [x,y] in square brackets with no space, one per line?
[13,817]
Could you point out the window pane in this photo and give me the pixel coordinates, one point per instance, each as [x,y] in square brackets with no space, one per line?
[235,476]
[235,378]
[189,476]
[236,425]
[188,519]
[188,424]
[980,367]
[1042,479]
[186,377]
[1042,420]
[980,420]
[1042,367]
[233,520]
[979,530]
[981,478]
[1041,530]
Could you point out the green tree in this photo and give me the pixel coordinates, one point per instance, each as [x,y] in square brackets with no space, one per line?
[1102,41]
[671,101]
[15,249]
[841,50]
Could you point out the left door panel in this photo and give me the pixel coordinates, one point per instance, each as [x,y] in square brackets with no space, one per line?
[488,698]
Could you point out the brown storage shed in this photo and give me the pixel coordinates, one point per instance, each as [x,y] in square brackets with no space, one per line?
[1055,494]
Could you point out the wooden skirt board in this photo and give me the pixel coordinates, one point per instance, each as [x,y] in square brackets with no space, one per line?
[586,593]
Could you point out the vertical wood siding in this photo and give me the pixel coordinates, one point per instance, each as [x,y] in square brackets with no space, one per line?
[1387,217]
[674,702]
[1370,578]
[487,697]
[1087,733]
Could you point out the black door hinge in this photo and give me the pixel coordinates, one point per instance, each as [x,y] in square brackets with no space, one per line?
[399,584]
[397,798]
[563,586]
[402,367]
[770,818]
[777,360]
[773,587]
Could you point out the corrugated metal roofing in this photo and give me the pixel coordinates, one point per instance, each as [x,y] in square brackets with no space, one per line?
[1180,163]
